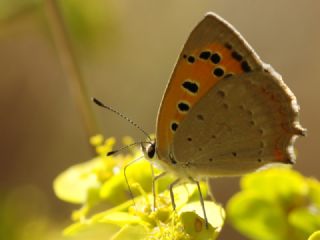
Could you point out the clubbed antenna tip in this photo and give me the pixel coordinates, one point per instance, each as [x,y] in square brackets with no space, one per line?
[100,104]
[96,101]
[111,153]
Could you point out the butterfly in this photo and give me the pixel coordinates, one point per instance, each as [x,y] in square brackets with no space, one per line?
[224,112]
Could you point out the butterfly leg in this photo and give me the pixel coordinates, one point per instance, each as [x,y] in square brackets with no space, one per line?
[210,194]
[201,200]
[171,192]
[154,179]
[126,178]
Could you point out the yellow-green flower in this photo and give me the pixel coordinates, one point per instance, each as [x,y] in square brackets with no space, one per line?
[100,184]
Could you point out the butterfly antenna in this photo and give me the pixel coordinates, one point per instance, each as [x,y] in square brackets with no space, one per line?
[100,104]
[123,148]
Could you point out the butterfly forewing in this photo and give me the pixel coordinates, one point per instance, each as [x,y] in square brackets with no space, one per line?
[213,51]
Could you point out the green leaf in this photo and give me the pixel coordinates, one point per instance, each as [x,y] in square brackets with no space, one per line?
[194,224]
[315,236]
[130,232]
[280,184]
[185,193]
[115,190]
[194,196]
[276,204]
[305,220]
[195,227]
[91,230]
[120,218]
[74,184]
[139,172]
[257,217]
[314,191]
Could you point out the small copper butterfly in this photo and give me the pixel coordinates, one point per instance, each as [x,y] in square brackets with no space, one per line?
[224,111]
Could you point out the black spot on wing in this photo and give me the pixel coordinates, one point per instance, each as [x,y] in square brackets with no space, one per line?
[245,66]
[183,107]
[190,86]
[236,56]
[218,72]
[191,59]
[205,55]
[174,126]
[228,46]
[215,58]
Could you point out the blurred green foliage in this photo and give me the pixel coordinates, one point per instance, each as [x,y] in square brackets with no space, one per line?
[99,184]
[276,204]
[24,214]
[12,8]
[315,236]
[91,24]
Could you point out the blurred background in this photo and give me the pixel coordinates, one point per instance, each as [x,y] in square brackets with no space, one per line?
[124,53]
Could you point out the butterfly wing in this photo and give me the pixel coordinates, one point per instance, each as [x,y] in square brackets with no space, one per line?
[213,51]
[241,124]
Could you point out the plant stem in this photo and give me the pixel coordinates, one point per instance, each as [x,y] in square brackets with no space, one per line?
[70,67]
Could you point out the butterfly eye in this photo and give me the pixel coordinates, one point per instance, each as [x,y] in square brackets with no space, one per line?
[149,149]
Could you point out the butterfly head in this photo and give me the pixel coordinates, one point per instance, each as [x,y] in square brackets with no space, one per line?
[149,149]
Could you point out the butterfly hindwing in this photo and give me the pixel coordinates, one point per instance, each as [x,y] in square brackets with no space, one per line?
[242,123]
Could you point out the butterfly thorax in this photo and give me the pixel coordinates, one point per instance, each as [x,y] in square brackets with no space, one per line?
[167,163]
[150,153]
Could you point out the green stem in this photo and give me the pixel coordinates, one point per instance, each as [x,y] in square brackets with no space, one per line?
[70,67]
